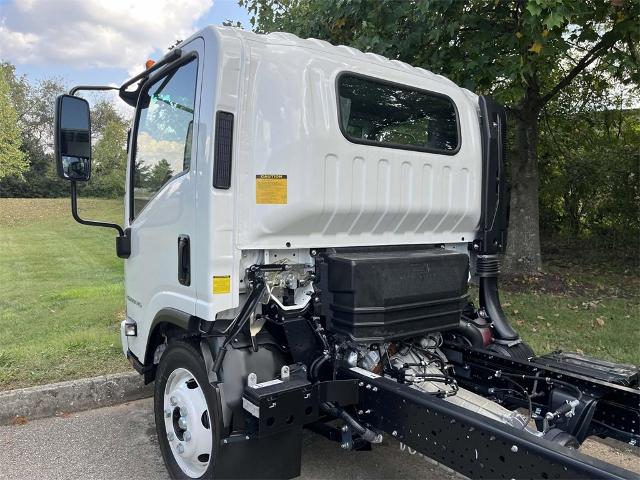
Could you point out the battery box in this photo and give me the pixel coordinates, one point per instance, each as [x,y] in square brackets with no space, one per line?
[377,295]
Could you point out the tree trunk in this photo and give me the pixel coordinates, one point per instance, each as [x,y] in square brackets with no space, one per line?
[523,248]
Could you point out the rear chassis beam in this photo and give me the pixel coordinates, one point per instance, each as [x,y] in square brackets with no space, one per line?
[615,408]
[464,441]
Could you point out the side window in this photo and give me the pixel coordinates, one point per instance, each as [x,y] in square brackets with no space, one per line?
[381,113]
[163,133]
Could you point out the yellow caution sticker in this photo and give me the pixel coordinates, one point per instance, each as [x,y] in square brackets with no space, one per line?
[221,284]
[271,189]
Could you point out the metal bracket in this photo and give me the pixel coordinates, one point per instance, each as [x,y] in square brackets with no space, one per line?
[347,438]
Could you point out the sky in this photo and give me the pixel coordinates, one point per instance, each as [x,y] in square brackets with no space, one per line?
[100,42]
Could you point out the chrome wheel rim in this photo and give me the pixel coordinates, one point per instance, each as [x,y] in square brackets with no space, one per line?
[187,423]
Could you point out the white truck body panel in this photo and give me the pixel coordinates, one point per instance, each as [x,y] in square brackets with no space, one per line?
[342,193]
[282,93]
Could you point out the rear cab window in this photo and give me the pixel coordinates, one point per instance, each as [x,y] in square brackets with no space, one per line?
[376,112]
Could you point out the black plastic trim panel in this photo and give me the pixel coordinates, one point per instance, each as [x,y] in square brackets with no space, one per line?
[223,150]
[492,234]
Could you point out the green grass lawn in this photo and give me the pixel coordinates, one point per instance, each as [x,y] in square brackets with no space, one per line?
[585,301]
[607,329]
[62,295]
[62,298]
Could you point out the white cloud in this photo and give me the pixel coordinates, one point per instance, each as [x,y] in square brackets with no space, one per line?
[151,150]
[94,33]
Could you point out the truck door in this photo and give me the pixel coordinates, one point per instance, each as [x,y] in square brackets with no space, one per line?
[161,194]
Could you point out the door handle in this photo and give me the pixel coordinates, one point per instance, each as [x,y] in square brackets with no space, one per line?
[184,260]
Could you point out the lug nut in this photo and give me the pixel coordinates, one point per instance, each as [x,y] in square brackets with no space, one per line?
[180,448]
[182,423]
[170,436]
[167,413]
[187,436]
[173,400]
[183,412]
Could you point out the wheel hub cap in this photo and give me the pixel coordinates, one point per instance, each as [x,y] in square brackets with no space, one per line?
[187,423]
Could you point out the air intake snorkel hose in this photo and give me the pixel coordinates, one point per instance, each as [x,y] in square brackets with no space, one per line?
[487,269]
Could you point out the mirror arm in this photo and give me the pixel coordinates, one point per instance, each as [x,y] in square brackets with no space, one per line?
[76,217]
[91,87]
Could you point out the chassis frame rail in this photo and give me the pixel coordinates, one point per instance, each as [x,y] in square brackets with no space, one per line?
[469,443]
[616,412]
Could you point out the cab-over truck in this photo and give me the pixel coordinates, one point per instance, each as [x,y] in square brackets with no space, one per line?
[302,224]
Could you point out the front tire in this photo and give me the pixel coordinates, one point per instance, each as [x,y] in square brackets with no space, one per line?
[186,413]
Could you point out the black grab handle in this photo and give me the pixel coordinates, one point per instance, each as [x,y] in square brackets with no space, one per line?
[184,260]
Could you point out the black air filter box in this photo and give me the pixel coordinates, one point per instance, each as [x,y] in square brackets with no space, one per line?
[381,295]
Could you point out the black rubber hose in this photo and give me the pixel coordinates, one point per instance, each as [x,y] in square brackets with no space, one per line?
[490,301]
[364,432]
[548,380]
[470,332]
[487,269]
[317,365]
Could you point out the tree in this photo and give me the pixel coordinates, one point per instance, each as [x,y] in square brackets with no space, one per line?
[589,165]
[34,104]
[12,159]
[102,114]
[109,161]
[160,174]
[140,174]
[524,53]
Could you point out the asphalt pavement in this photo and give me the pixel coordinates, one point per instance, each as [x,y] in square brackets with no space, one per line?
[120,442]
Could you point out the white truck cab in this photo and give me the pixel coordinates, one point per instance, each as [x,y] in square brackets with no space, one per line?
[301,222]
[267,157]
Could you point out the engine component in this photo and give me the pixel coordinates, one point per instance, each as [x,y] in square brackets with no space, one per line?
[425,374]
[421,364]
[287,275]
[370,360]
[374,296]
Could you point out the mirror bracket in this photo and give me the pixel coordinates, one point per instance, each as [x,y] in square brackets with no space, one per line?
[123,240]
[91,88]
